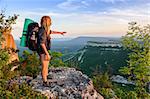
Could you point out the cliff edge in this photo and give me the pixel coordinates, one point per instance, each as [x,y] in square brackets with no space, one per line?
[67,83]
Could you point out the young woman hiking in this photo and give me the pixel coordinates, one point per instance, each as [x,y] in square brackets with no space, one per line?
[43,43]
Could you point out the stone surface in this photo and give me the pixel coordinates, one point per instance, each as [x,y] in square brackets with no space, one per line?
[121,79]
[66,83]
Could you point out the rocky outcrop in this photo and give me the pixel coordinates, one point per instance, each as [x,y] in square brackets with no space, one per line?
[10,45]
[66,83]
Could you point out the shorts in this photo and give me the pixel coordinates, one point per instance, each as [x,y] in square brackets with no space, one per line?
[41,51]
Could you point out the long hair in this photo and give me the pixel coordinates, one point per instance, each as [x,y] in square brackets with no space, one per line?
[46,22]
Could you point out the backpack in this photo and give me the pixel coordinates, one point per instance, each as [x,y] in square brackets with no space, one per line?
[32,33]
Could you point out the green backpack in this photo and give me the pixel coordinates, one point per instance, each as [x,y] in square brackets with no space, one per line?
[29,35]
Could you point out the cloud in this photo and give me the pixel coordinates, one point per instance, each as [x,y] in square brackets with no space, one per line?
[111,1]
[70,5]
[73,4]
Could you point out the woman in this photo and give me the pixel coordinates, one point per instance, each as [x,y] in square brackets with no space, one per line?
[44,45]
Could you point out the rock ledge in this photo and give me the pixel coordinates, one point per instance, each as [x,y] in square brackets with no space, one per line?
[67,83]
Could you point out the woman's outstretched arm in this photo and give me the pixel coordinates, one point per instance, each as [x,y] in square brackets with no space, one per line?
[56,32]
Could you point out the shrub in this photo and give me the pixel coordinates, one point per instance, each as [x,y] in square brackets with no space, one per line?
[30,64]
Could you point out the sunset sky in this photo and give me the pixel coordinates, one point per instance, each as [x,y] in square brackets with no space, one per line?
[104,18]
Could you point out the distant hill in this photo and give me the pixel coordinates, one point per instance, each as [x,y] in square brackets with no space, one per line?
[83,40]
[61,39]
[79,42]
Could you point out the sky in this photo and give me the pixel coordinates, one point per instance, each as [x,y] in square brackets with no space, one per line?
[97,18]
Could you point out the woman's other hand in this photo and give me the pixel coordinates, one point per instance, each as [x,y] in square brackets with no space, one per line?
[47,57]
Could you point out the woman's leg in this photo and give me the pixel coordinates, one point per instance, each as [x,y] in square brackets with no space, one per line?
[45,64]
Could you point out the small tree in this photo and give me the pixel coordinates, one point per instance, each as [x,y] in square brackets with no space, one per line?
[137,43]
[56,60]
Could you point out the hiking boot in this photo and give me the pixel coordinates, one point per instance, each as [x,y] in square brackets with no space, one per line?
[46,84]
[49,77]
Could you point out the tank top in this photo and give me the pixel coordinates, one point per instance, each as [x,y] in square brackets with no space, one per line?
[43,38]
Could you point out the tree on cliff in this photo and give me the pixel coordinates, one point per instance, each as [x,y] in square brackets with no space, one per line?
[5,24]
[137,43]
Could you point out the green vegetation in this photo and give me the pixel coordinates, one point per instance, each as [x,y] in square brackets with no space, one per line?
[16,91]
[137,42]
[99,58]
[56,59]
[30,64]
